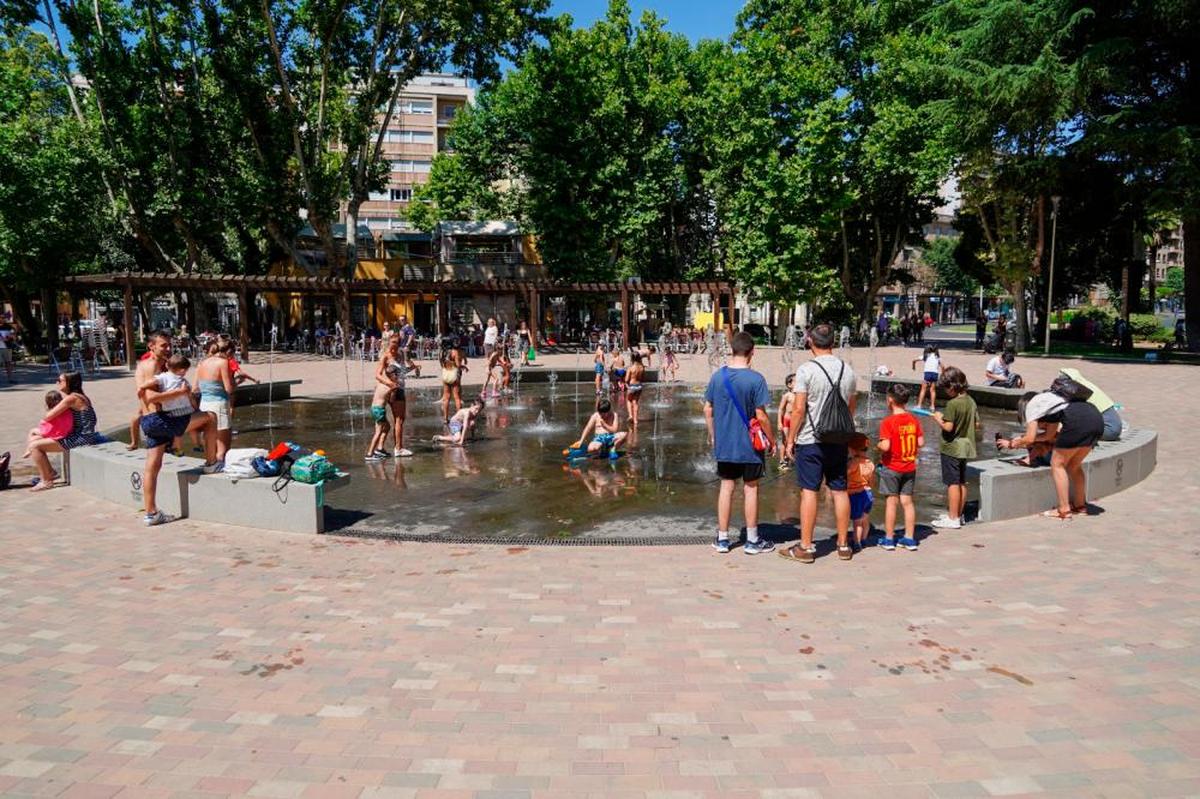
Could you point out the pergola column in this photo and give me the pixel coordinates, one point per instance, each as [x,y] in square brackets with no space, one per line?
[625,316]
[729,318]
[130,361]
[534,317]
[343,311]
[243,324]
[443,313]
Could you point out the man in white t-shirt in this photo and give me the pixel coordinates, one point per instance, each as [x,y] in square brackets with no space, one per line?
[818,462]
[490,336]
[999,371]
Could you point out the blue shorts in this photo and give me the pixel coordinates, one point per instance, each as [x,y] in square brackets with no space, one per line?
[931,377]
[861,504]
[605,440]
[599,368]
[821,462]
[160,430]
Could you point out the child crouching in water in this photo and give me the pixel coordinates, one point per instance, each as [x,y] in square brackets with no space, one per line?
[606,427]
[860,479]
[900,439]
[958,421]
[460,424]
[56,428]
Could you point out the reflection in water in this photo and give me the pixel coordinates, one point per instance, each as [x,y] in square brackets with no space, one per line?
[511,477]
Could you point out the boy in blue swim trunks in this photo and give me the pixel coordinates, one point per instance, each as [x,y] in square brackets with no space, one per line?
[606,426]
[860,480]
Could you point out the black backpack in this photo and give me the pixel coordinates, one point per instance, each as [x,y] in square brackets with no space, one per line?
[834,423]
[5,473]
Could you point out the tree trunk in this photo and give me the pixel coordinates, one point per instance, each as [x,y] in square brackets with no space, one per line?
[1020,307]
[1152,277]
[1191,278]
[50,318]
[19,299]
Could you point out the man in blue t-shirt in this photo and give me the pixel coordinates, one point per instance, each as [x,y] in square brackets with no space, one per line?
[735,395]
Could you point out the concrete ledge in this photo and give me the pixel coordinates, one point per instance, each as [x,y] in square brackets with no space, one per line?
[541,374]
[1008,492]
[258,393]
[984,396]
[253,502]
[113,473]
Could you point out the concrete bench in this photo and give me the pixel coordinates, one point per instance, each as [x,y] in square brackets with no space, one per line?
[1007,491]
[113,473]
[258,393]
[984,396]
[254,502]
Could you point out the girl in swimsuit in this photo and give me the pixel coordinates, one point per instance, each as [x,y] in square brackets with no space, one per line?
[634,394]
[393,366]
[453,365]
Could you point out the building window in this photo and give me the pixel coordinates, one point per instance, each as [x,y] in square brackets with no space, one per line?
[416,107]
[377,196]
[411,165]
[399,136]
[401,195]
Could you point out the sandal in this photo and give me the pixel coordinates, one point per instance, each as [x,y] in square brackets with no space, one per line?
[797,553]
[1080,510]
[845,553]
[43,486]
[1055,513]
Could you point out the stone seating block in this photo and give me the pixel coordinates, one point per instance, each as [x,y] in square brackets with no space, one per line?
[112,473]
[253,502]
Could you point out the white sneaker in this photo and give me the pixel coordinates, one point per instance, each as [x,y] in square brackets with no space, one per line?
[946,523]
[402,453]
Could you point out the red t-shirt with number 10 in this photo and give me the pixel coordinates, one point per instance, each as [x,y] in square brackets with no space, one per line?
[902,430]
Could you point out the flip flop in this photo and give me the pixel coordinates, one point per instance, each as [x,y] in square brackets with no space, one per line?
[1080,510]
[1055,513]
[42,486]
[845,553]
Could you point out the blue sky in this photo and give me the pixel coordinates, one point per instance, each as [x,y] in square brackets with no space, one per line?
[696,19]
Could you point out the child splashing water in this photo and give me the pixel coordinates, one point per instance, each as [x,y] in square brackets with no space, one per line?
[606,426]
[933,370]
[460,424]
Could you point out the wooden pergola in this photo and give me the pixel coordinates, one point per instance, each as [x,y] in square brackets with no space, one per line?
[341,290]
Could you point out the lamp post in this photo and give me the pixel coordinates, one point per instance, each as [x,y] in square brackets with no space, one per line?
[1050,283]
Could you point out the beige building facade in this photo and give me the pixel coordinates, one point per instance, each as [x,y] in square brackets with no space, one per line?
[416,132]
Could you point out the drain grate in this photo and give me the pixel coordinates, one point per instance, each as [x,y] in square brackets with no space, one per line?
[444,538]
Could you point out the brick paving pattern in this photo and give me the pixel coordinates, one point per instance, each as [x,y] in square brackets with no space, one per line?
[1019,658]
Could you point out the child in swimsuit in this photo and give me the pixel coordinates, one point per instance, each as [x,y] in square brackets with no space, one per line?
[618,372]
[933,370]
[598,360]
[634,394]
[670,364]
[606,426]
[460,424]
[785,417]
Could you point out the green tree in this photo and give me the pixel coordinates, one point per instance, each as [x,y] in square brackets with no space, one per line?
[826,163]
[50,221]
[1011,91]
[1141,56]
[939,256]
[591,143]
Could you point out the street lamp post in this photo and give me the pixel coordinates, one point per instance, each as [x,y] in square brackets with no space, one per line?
[1050,283]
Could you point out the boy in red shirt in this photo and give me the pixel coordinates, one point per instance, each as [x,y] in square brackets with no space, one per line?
[900,438]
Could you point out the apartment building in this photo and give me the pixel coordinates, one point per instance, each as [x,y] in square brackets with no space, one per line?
[1167,255]
[416,132]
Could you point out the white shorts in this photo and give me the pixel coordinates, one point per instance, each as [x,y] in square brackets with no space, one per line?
[219,407]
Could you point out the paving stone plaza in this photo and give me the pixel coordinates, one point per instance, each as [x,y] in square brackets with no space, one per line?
[1023,657]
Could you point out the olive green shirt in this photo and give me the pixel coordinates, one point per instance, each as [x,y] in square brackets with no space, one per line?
[962,413]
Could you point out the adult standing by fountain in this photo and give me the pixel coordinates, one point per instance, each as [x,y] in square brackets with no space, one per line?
[734,393]
[454,363]
[824,379]
[390,373]
[491,336]
[159,431]
[214,381]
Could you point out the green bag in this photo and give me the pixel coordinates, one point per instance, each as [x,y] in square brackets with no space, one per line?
[532,354]
[312,469]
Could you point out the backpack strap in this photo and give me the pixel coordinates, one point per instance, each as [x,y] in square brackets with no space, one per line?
[729,390]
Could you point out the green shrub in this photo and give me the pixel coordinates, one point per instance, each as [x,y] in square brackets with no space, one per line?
[1161,336]
[1145,325]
